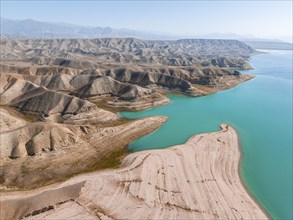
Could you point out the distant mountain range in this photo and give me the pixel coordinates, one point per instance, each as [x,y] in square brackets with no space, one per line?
[269,45]
[36,29]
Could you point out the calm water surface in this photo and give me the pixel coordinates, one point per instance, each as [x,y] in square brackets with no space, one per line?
[261,112]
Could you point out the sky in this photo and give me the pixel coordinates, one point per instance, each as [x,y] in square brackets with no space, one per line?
[263,19]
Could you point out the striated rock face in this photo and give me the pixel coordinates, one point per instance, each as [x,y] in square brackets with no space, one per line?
[174,183]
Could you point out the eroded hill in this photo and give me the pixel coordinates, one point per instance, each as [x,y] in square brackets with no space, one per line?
[59,98]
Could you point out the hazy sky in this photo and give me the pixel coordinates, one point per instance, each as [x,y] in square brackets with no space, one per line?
[258,18]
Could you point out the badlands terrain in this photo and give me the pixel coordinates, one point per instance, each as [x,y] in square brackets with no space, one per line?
[58,115]
[59,98]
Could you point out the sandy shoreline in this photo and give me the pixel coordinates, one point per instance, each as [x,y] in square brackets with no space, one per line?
[197,180]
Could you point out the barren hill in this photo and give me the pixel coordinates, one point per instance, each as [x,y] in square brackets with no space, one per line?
[59,97]
[126,50]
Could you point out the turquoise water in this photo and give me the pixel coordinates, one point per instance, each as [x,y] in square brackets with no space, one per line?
[261,112]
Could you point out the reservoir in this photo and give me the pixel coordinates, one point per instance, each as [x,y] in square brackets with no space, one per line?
[261,112]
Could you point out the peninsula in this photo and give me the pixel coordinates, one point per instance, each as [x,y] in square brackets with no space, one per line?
[174,183]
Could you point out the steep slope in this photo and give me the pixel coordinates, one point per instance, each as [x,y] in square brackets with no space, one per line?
[108,86]
[31,99]
[89,85]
